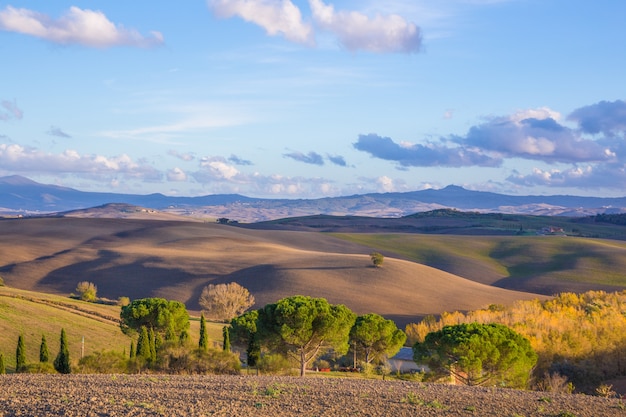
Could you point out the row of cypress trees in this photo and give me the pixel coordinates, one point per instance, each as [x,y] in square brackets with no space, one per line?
[61,363]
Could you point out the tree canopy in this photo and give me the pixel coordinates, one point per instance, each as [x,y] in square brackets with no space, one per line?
[154,313]
[375,337]
[479,354]
[225,301]
[304,328]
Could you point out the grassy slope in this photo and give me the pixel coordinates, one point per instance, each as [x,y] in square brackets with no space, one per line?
[34,314]
[545,264]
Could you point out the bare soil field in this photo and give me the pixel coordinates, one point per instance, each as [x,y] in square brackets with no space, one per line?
[165,395]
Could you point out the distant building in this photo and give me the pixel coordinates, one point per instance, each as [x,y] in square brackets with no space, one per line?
[403,362]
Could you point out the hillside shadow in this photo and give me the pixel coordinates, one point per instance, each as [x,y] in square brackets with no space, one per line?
[116,277]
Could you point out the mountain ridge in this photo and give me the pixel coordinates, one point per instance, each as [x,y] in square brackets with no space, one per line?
[22,196]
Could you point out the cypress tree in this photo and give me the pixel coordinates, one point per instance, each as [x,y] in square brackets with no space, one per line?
[20,355]
[44,353]
[3,369]
[143,344]
[62,361]
[133,353]
[204,337]
[152,341]
[226,334]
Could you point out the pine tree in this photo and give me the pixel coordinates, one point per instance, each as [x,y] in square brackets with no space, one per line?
[44,353]
[204,336]
[226,334]
[62,361]
[20,355]
[3,369]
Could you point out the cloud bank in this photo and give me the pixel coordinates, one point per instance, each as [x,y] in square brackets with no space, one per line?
[354,31]
[594,149]
[77,26]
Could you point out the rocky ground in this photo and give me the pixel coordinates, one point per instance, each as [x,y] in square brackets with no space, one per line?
[165,395]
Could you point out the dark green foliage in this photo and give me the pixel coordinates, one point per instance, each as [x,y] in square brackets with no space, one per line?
[304,328]
[375,337]
[479,354]
[226,336]
[203,342]
[152,343]
[20,355]
[62,361]
[3,369]
[133,352]
[156,313]
[242,327]
[253,351]
[143,345]
[44,353]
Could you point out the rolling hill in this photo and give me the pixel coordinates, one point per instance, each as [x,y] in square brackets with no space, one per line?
[175,260]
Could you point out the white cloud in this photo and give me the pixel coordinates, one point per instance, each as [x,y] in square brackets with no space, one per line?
[357,31]
[176,175]
[21,159]
[78,26]
[275,16]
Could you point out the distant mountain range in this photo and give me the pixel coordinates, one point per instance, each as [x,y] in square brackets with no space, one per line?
[22,196]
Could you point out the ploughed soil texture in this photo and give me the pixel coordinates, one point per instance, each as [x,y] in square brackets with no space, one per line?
[248,395]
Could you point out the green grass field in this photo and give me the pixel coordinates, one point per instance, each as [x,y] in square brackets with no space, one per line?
[34,314]
[498,259]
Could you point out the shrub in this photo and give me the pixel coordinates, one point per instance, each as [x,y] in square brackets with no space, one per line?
[377,259]
[274,364]
[40,368]
[123,301]
[1,282]
[178,360]
[87,291]
[3,369]
[103,362]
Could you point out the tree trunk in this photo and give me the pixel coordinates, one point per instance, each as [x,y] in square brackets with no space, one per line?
[302,362]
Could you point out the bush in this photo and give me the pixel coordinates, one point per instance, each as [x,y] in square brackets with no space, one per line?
[274,364]
[87,291]
[104,362]
[178,360]
[40,368]
[123,301]
[1,282]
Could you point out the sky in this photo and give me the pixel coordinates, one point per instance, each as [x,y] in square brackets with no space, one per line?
[315,98]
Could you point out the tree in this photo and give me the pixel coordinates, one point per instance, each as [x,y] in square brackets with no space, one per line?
[377,259]
[44,353]
[225,301]
[242,333]
[375,337]
[203,343]
[20,355]
[143,344]
[479,354]
[62,361]
[304,328]
[226,337]
[133,352]
[3,369]
[87,291]
[154,313]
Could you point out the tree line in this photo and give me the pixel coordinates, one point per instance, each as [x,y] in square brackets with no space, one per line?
[580,339]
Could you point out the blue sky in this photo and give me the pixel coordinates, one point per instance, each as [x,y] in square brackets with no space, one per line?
[315,98]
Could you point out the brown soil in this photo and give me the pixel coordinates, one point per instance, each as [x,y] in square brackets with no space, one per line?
[159,395]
